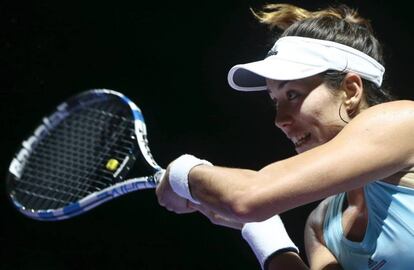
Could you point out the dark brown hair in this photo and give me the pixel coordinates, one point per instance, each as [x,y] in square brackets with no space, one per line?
[339,24]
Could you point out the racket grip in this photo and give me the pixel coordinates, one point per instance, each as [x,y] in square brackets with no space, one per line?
[158,176]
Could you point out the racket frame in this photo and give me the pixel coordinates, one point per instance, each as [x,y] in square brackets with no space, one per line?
[96,198]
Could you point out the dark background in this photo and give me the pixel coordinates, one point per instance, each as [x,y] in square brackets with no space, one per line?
[171,58]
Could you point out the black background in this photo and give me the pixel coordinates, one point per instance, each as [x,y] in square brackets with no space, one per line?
[171,58]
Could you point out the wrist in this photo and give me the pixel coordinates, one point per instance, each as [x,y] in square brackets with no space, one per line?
[179,175]
[268,239]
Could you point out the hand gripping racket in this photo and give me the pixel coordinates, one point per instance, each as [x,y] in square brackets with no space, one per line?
[92,149]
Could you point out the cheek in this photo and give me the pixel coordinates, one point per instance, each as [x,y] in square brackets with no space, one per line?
[321,104]
[312,111]
[321,113]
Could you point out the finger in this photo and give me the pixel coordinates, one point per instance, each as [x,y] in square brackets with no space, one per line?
[184,211]
[183,207]
[194,206]
[161,200]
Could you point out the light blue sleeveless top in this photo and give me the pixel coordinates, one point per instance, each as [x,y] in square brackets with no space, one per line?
[389,239]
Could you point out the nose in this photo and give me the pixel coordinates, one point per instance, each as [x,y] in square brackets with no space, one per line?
[283,118]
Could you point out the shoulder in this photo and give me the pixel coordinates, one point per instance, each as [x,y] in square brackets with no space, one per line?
[388,125]
[387,117]
[390,111]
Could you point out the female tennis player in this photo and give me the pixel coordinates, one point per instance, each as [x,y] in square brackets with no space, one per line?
[355,150]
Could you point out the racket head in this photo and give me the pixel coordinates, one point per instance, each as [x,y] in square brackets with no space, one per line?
[80,156]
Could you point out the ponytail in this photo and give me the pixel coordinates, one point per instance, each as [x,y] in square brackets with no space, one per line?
[284,15]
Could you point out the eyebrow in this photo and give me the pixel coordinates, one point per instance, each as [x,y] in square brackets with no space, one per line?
[281,84]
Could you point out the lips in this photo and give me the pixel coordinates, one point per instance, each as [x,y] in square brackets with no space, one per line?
[300,140]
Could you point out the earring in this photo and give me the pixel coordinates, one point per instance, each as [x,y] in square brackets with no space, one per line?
[340,115]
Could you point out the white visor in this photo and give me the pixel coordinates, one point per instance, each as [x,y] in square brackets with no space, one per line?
[293,58]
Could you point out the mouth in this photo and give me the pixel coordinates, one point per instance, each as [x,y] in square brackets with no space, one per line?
[301,140]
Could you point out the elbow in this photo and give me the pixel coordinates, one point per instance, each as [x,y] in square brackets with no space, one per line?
[241,210]
[246,208]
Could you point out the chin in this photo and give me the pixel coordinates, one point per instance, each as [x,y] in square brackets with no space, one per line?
[305,147]
[300,150]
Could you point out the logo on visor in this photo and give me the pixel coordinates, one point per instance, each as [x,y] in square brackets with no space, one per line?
[272,52]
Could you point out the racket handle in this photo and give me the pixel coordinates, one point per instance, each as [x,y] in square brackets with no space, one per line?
[158,176]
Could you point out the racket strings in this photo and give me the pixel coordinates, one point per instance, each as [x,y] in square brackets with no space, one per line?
[78,190]
[44,150]
[41,195]
[69,163]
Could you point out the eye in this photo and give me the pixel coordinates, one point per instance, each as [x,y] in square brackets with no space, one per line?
[291,94]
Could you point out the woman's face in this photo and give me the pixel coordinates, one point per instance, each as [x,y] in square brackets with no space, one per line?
[307,111]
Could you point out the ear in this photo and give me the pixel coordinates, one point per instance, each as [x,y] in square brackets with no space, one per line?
[354,89]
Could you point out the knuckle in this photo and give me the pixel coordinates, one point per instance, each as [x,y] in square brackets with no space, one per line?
[160,201]
[215,219]
[158,191]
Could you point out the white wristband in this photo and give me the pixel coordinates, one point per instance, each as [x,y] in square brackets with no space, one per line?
[178,174]
[268,238]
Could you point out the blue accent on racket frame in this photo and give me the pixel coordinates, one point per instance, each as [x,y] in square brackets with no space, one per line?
[138,115]
[71,208]
[46,215]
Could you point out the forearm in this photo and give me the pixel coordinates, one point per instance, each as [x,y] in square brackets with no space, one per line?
[225,190]
[244,195]
[240,194]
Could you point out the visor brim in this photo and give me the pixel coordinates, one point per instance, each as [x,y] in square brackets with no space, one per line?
[252,76]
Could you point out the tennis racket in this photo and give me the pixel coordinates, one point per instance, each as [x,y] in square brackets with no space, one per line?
[91,149]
